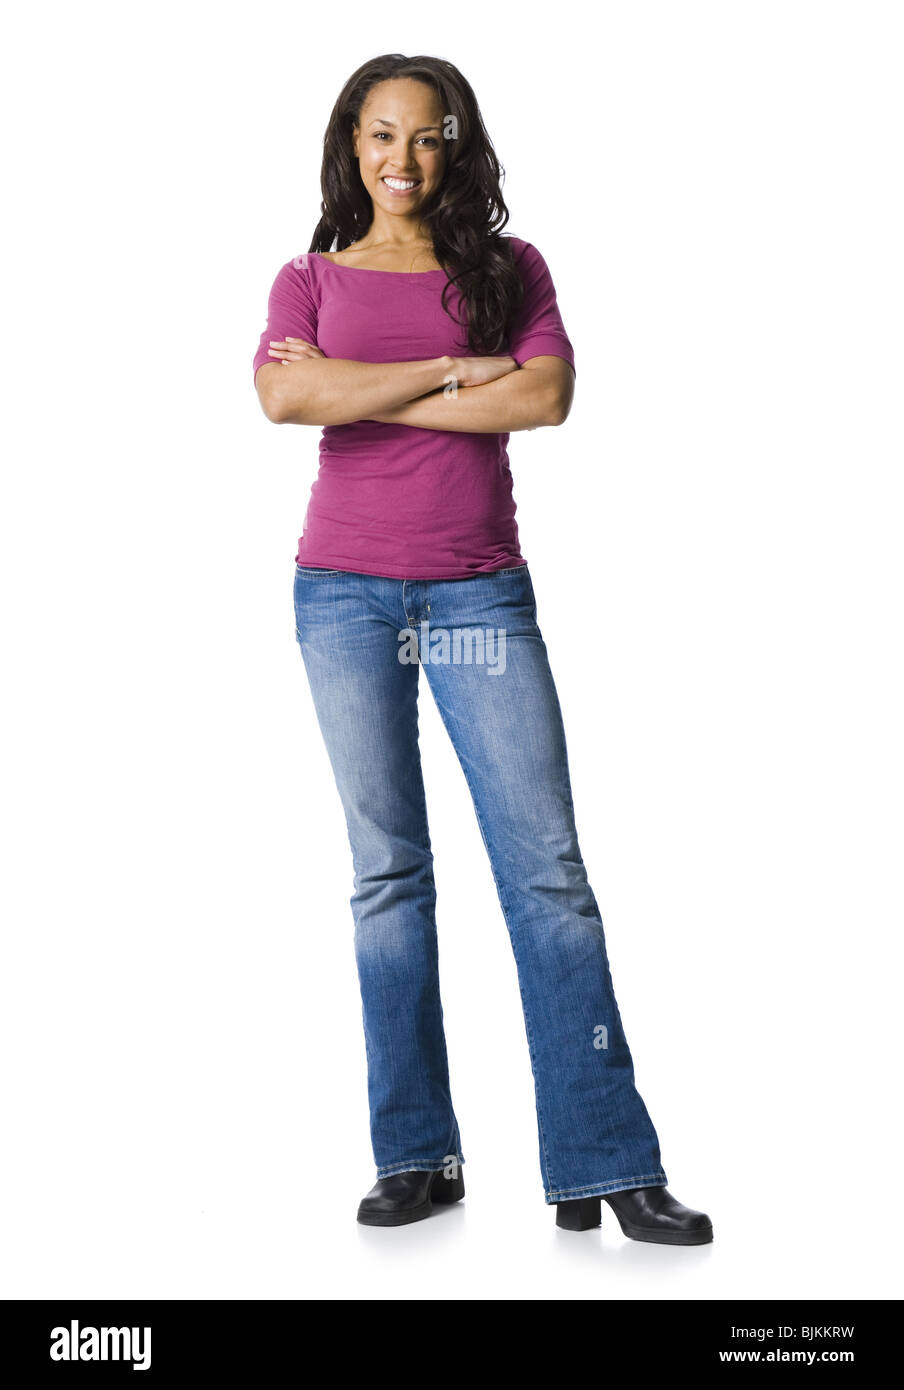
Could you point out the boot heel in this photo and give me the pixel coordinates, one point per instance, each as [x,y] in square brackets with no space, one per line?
[580,1215]
[444,1189]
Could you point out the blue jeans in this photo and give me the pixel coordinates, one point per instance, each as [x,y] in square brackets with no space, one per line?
[485,660]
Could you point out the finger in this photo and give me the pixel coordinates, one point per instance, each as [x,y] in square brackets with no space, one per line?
[302,345]
[296,345]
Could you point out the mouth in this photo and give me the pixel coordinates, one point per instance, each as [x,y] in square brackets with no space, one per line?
[401,188]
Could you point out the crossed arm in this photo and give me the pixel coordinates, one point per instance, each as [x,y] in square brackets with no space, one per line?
[538,393]
[473,395]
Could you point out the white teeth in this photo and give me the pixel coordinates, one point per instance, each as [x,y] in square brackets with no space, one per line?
[402,184]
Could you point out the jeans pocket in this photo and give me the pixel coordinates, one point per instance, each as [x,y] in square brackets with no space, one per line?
[310,590]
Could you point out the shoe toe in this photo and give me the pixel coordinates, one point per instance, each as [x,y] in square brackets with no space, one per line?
[681,1217]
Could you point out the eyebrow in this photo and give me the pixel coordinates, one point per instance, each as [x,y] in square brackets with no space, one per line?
[380,120]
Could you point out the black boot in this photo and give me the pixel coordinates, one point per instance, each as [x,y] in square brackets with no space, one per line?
[644,1213]
[405,1197]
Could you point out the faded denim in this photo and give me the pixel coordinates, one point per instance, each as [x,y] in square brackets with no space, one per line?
[595,1134]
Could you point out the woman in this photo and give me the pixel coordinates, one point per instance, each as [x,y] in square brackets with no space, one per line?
[418,345]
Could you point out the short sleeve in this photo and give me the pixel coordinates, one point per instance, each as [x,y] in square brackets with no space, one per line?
[291,311]
[537,329]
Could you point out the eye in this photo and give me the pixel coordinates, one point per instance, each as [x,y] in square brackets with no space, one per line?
[379,134]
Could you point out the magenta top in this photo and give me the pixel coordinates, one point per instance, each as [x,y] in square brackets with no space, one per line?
[397,500]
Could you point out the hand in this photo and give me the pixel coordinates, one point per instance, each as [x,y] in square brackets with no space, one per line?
[293,350]
[477,371]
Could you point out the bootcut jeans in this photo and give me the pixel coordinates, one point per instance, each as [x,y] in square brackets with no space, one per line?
[364,639]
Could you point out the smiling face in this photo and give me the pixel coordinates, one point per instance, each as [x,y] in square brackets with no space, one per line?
[400,148]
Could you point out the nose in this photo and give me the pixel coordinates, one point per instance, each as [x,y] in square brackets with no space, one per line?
[410,167]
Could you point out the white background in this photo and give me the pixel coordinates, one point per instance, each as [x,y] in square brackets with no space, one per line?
[714,539]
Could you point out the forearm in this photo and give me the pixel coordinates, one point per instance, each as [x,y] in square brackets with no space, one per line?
[338,391]
[519,401]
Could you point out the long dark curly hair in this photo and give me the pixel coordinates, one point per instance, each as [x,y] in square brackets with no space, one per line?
[464,217]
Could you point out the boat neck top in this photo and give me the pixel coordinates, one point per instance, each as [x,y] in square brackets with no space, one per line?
[375,270]
[396,500]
